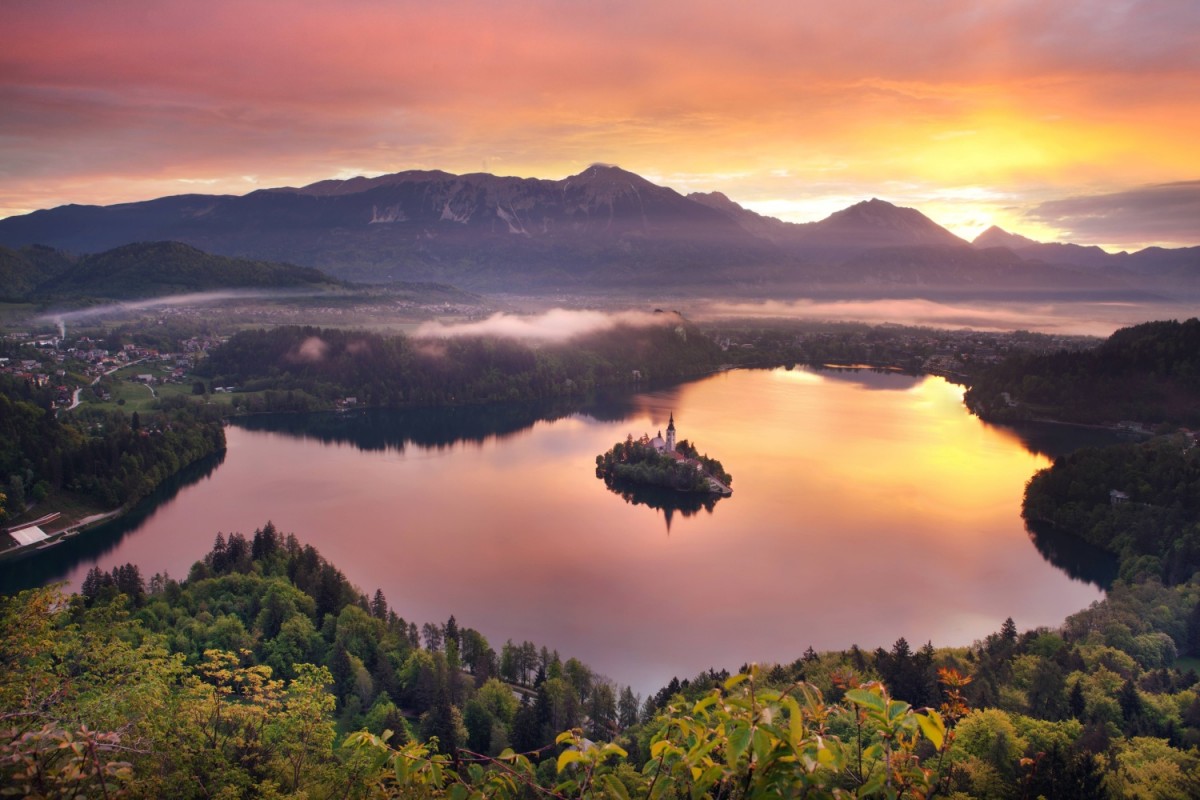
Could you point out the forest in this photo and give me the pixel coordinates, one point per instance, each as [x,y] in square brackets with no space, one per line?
[265,673]
[1138,501]
[396,371]
[105,459]
[1148,373]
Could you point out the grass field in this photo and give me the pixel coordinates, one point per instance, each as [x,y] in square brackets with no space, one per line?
[137,396]
[1187,662]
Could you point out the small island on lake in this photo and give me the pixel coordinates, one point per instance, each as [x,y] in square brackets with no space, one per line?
[665,463]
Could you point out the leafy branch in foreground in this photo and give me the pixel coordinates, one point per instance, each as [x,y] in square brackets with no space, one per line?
[737,741]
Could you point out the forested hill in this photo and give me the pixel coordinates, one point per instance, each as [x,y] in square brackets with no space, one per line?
[1153,522]
[1148,373]
[145,269]
[102,459]
[328,364]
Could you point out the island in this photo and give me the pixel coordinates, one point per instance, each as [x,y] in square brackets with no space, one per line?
[663,462]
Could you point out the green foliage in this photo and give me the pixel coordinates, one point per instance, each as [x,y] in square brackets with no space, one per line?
[152,269]
[102,456]
[1148,373]
[1153,526]
[139,688]
[739,740]
[637,461]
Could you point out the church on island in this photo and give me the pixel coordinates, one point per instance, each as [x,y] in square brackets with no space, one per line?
[664,462]
[666,446]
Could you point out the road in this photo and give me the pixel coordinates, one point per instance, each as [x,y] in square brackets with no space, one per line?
[95,380]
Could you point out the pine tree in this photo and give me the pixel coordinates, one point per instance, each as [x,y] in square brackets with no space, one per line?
[379,606]
[1076,703]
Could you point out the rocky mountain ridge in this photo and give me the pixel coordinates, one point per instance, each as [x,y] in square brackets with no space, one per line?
[603,229]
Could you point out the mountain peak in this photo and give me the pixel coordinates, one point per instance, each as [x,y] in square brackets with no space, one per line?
[334,187]
[996,236]
[878,223]
[607,173]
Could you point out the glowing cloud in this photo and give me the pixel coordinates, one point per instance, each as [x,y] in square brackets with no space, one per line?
[556,325]
[1166,214]
[774,102]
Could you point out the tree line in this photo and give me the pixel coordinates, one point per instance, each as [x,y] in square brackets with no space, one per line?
[396,371]
[265,673]
[1140,502]
[107,458]
[637,461]
[1148,373]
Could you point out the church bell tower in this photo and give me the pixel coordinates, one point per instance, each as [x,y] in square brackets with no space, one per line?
[671,434]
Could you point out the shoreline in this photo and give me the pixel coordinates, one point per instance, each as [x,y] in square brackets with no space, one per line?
[76,526]
[18,551]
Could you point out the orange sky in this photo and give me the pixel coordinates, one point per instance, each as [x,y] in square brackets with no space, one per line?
[1062,120]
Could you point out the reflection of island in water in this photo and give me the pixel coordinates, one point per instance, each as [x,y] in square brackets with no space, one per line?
[54,564]
[668,501]
[663,474]
[1079,559]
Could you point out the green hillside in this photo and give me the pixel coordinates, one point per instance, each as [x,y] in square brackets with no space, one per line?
[153,269]
[142,270]
[21,271]
[1149,373]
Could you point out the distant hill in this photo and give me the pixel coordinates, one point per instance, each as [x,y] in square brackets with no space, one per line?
[1170,271]
[141,270]
[1148,373]
[604,228]
[21,271]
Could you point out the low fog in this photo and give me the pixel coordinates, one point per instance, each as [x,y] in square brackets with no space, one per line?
[555,325]
[150,303]
[1068,318]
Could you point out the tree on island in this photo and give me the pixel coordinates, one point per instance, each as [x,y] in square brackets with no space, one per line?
[639,461]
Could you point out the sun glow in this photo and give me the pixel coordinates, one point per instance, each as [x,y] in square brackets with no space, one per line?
[707,101]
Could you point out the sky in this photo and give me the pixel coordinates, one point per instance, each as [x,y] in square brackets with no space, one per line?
[1061,121]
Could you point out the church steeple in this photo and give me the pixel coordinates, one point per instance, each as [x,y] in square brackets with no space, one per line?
[671,434]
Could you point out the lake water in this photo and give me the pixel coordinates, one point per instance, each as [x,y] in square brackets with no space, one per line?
[866,506]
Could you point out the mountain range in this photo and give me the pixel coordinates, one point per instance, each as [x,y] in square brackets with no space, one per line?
[604,228]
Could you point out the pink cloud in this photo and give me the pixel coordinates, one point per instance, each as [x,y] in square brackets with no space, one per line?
[123,100]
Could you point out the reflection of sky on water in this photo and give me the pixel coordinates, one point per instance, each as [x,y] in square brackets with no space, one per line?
[858,515]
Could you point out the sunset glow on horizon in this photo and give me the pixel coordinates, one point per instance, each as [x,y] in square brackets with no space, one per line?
[1060,122]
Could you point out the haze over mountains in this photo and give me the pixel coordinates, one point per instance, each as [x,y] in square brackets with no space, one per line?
[604,228]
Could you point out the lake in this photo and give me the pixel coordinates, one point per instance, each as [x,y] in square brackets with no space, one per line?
[866,506]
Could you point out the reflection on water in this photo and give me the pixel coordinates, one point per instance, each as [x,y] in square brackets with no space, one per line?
[1079,559]
[93,545]
[665,500]
[436,428]
[1055,440]
[873,378]
[866,509]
